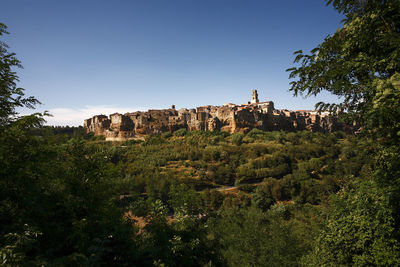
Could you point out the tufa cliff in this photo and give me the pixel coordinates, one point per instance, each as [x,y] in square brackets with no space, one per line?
[229,117]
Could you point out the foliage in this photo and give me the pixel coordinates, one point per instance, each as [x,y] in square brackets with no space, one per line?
[262,198]
[237,138]
[11,96]
[250,237]
[184,200]
[360,64]
[65,194]
[360,230]
[349,62]
[180,132]
[384,123]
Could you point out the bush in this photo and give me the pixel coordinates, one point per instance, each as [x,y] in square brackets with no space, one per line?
[180,132]
[262,198]
[237,138]
[248,188]
[166,135]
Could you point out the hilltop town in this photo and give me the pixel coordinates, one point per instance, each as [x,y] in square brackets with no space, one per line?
[229,117]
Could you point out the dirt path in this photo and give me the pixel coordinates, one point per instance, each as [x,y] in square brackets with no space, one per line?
[232,188]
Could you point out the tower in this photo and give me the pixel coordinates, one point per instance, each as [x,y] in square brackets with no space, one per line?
[254,97]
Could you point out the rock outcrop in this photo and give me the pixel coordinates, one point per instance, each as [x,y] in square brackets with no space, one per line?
[229,117]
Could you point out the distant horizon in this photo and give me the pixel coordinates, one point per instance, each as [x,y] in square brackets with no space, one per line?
[82,58]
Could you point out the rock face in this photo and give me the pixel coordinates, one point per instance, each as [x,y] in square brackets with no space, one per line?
[229,117]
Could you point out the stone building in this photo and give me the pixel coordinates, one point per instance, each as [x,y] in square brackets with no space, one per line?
[229,117]
[254,97]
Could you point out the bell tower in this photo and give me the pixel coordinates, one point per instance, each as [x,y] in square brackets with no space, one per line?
[254,97]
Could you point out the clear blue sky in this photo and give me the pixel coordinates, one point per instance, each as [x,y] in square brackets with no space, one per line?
[86,57]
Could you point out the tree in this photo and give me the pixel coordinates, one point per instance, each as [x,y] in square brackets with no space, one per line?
[262,197]
[11,96]
[56,202]
[360,63]
[349,62]
[250,237]
[360,230]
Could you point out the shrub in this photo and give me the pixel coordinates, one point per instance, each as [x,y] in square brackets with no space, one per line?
[180,132]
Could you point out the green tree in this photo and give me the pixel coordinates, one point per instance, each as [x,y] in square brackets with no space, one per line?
[11,96]
[251,237]
[359,63]
[237,138]
[360,230]
[262,197]
[56,201]
[349,62]
[184,199]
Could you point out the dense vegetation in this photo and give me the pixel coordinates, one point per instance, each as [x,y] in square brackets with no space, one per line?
[212,198]
[181,198]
